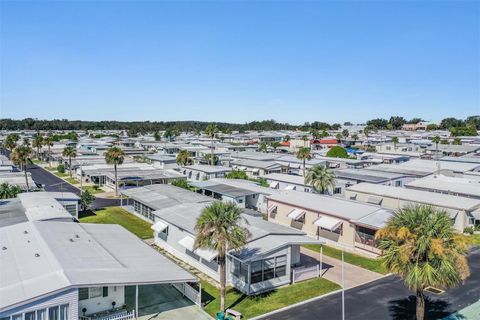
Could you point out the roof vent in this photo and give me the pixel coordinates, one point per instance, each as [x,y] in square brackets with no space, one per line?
[4,248]
[77,236]
[25,232]
[71,240]
[37,255]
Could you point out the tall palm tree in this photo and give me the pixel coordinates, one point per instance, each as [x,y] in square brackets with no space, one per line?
[339,136]
[436,140]
[355,138]
[275,145]
[420,245]
[345,133]
[305,139]
[183,158]
[48,142]
[21,156]
[286,138]
[115,156]
[304,154]
[211,131]
[11,141]
[394,141]
[26,142]
[320,178]
[263,147]
[70,152]
[37,143]
[221,227]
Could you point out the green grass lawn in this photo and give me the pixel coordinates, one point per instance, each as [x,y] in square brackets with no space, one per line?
[273,300]
[355,259]
[61,175]
[72,180]
[117,215]
[475,239]
[92,189]
[36,161]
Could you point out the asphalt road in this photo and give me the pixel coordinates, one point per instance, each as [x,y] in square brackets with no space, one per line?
[53,183]
[388,298]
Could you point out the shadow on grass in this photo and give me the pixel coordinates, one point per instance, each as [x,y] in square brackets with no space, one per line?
[404,309]
[86,213]
[259,297]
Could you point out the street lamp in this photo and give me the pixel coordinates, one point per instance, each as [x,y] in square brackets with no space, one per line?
[343,280]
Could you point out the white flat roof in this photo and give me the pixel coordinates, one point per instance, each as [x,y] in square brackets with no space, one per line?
[418,196]
[462,186]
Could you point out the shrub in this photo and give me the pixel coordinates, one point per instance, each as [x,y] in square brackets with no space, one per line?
[468,230]
[337,152]
[61,168]
[181,183]
[236,174]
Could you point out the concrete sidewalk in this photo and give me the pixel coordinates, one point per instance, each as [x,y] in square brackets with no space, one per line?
[332,270]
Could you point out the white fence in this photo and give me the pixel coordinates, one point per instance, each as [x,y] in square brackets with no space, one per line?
[189,292]
[115,316]
[301,274]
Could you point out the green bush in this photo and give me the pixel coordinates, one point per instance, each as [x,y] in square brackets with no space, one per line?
[337,152]
[61,168]
[469,230]
[237,174]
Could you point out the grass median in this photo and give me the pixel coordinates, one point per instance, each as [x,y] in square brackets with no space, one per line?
[367,263]
[252,306]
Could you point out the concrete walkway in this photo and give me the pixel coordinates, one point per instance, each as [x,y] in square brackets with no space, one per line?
[332,270]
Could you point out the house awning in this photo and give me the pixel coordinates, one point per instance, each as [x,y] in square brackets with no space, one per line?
[255,170]
[207,254]
[187,243]
[242,168]
[476,214]
[159,226]
[290,187]
[375,200]
[271,208]
[273,185]
[328,223]
[296,213]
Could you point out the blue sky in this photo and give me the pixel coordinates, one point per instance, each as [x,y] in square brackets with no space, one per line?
[230,61]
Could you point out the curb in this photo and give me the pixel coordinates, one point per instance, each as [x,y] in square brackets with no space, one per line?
[314,299]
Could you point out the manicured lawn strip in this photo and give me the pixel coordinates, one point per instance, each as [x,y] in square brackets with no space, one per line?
[92,189]
[61,175]
[116,215]
[72,180]
[255,306]
[355,259]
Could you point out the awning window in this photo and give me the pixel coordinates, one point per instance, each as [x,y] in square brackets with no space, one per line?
[255,170]
[187,243]
[328,223]
[159,226]
[476,214]
[290,187]
[295,214]
[272,208]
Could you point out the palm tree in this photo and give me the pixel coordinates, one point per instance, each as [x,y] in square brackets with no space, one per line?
[339,136]
[37,143]
[275,145]
[345,133]
[220,227]
[70,152]
[286,138]
[305,139]
[114,156]
[48,142]
[21,156]
[304,155]
[26,142]
[263,147]
[355,138]
[8,191]
[211,131]
[11,141]
[394,141]
[183,158]
[320,178]
[436,140]
[420,245]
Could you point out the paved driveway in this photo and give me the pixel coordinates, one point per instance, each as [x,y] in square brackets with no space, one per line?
[53,183]
[162,302]
[332,270]
[387,298]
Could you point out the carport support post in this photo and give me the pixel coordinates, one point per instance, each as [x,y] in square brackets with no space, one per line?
[136,301]
[321,260]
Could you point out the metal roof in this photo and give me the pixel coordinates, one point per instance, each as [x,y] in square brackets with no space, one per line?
[461,186]
[41,258]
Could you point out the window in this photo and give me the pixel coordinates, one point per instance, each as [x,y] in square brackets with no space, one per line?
[268,269]
[240,200]
[280,266]
[398,183]
[53,313]
[64,311]
[42,314]
[256,272]
[105,292]
[30,315]
[83,294]
[17,317]
[337,190]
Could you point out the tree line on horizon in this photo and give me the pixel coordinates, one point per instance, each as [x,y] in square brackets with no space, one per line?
[140,127]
